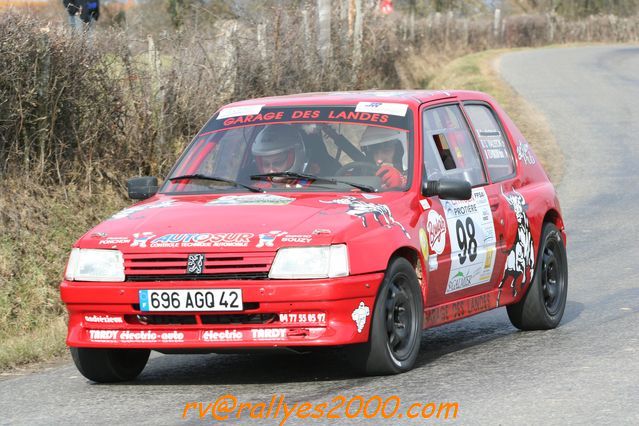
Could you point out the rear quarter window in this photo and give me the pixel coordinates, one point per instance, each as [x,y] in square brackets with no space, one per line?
[492,142]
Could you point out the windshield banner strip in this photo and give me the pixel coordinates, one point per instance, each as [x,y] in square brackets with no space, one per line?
[309,115]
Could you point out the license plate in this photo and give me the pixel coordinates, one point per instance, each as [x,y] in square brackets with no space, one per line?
[191,300]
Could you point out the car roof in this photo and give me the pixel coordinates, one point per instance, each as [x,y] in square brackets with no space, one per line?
[411,97]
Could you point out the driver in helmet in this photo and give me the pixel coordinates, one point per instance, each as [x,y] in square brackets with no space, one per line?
[279,148]
[385,148]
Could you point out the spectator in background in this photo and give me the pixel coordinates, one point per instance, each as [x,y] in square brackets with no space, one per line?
[89,11]
[72,8]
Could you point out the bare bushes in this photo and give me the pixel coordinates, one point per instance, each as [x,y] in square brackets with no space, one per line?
[86,110]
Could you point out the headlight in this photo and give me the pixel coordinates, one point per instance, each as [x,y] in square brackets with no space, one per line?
[310,262]
[95,265]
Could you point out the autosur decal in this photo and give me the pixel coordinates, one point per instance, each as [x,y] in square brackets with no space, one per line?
[232,239]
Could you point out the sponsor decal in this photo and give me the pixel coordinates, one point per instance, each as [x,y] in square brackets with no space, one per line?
[251,200]
[268,333]
[138,336]
[524,153]
[425,204]
[436,227]
[195,264]
[321,231]
[141,238]
[239,111]
[521,255]
[423,243]
[103,319]
[472,240]
[296,238]
[303,318]
[459,309]
[103,335]
[267,240]
[233,239]
[221,335]
[361,209]
[382,108]
[371,196]
[135,209]
[359,315]
[115,240]
[172,336]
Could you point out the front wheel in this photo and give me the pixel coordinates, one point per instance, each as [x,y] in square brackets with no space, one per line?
[396,325]
[110,365]
[542,307]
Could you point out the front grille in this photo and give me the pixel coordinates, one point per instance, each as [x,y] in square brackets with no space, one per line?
[208,319]
[239,319]
[217,266]
[203,277]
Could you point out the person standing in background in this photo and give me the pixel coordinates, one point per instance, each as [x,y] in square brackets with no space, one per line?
[72,8]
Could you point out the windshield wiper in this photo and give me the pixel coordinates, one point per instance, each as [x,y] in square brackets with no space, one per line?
[318,179]
[217,179]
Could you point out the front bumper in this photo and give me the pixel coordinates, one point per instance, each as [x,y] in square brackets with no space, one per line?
[277,313]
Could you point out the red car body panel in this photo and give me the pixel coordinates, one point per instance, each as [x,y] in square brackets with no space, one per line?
[313,312]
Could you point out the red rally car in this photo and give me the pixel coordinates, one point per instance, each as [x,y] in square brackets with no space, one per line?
[351,219]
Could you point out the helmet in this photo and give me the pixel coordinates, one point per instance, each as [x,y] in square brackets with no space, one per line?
[373,137]
[277,139]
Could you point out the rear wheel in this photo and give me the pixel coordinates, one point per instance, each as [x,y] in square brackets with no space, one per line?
[110,365]
[542,307]
[396,324]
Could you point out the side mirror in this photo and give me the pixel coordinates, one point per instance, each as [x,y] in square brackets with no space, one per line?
[448,189]
[141,188]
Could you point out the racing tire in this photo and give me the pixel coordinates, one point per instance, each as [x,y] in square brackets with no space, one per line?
[396,324]
[110,365]
[542,307]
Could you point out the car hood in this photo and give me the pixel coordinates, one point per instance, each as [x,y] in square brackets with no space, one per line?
[242,222]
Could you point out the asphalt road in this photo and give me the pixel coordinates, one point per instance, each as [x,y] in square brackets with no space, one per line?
[586,371]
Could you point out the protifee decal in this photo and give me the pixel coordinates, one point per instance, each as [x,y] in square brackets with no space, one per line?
[521,256]
[251,200]
[114,241]
[361,209]
[472,240]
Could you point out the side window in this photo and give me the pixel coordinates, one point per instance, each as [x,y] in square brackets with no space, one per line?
[499,158]
[449,149]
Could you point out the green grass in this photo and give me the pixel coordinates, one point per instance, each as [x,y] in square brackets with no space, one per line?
[38,230]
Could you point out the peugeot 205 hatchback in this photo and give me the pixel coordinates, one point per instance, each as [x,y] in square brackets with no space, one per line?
[341,219]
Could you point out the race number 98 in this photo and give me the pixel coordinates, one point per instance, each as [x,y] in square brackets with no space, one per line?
[466,240]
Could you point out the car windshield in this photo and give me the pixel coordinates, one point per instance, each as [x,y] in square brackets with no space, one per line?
[364,147]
